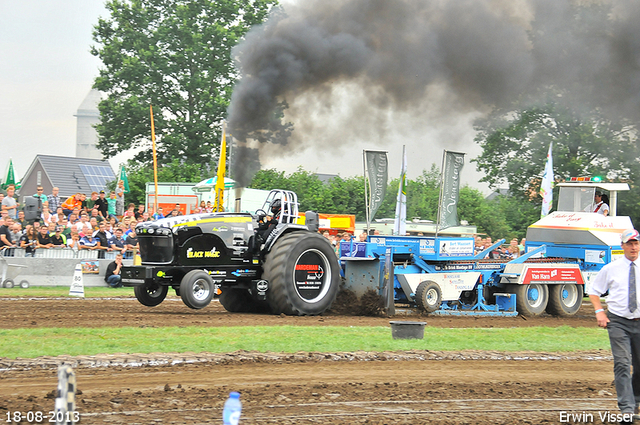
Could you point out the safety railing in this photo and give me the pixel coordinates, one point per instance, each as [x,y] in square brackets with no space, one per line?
[88,254]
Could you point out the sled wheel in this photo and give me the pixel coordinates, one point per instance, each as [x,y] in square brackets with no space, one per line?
[150,294]
[303,274]
[24,284]
[428,296]
[564,300]
[8,283]
[241,301]
[532,299]
[196,289]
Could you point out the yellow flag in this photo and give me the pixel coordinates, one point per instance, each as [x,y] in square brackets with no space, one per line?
[219,189]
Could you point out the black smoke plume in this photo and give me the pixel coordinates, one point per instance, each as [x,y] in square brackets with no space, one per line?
[422,58]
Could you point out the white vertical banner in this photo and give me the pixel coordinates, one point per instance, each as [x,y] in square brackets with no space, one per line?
[546,187]
[400,223]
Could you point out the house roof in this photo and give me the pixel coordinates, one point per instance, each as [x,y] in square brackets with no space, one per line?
[72,175]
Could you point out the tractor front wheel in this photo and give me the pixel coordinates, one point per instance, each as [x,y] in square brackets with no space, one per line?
[196,289]
[150,294]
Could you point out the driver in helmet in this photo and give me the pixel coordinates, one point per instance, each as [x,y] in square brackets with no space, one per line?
[267,223]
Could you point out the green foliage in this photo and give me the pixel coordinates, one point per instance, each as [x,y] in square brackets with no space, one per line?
[175,55]
[173,171]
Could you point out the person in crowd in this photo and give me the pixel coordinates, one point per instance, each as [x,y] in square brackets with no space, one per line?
[140,211]
[376,232]
[88,242]
[146,216]
[112,224]
[54,200]
[6,241]
[21,219]
[132,241]
[346,237]
[91,202]
[86,230]
[40,196]
[44,241]
[362,237]
[203,206]
[622,319]
[131,211]
[29,241]
[72,203]
[73,241]
[120,198]
[72,220]
[158,215]
[9,204]
[16,233]
[83,200]
[46,216]
[103,236]
[57,238]
[174,213]
[112,274]
[64,223]
[94,224]
[95,213]
[112,204]
[102,204]
[326,235]
[514,250]
[118,242]
[84,221]
[521,245]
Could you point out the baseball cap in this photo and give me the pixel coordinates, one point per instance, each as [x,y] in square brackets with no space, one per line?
[102,191]
[630,235]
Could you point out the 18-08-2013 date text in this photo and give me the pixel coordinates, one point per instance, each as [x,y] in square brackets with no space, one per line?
[37,417]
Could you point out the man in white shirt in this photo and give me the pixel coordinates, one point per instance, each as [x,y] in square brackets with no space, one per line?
[622,320]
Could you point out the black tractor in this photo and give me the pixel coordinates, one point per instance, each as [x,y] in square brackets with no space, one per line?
[262,262]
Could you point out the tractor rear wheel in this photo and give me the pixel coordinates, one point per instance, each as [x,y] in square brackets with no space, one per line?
[303,274]
[564,300]
[532,299]
[196,289]
[150,294]
[428,296]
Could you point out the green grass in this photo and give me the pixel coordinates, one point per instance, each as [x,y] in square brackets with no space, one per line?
[29,343]
[63,291]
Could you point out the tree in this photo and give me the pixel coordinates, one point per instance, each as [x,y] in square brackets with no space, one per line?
[176,55]
[515,144]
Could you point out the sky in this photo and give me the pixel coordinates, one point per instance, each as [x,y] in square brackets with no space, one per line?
[47,70]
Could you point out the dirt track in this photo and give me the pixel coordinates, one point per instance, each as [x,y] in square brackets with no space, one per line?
[393,388]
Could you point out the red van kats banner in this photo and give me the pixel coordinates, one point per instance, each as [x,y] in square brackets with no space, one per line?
[553,275]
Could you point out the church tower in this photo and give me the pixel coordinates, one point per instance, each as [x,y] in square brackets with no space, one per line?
[86,135]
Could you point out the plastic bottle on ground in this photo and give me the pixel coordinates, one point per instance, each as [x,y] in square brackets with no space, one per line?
[232,409]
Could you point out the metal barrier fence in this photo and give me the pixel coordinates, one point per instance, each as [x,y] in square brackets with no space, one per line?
[85,254]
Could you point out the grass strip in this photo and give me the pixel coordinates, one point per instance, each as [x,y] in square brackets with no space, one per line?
[63,291]
[30,343]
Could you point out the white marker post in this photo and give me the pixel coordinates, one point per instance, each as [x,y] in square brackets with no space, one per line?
[77,285]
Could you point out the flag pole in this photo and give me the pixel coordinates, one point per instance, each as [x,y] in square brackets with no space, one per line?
[444,155]
[367,204]
[155,159]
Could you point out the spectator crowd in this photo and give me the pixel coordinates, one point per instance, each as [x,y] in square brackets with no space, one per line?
[96,222]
